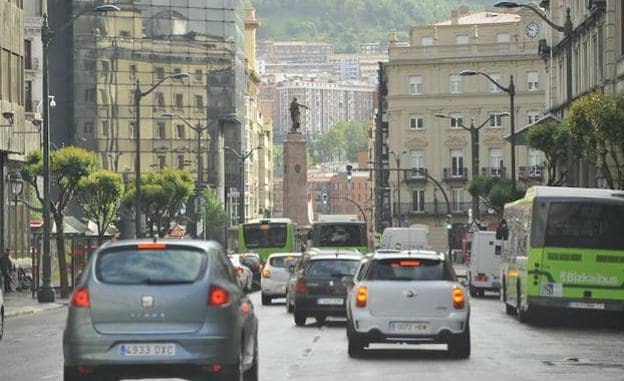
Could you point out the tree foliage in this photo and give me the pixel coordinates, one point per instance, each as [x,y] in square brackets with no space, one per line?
[494,192]
[215,217]
[68,166]
[368,20]
[341,143]
[99,196]
[163,194]
[595,122]
[551,139]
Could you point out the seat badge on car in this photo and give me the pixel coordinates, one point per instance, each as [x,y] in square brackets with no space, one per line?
[147,301]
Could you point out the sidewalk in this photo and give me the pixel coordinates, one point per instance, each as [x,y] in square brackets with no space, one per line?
[22,303]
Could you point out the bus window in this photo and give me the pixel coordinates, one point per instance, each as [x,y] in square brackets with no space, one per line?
[264,235]
[341,235]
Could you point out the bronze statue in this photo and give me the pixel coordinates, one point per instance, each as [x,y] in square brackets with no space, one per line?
[295,114]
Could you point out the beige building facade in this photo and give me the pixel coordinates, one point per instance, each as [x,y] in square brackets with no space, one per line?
[423,80]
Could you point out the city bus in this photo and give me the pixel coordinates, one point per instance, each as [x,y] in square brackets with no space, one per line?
[267,236]
[340,232]
[562,248]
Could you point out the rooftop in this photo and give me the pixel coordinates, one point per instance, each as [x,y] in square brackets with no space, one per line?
[484,17]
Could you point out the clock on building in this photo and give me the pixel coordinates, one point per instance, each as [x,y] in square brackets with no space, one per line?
[533,29]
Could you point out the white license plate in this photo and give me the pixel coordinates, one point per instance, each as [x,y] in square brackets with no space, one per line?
[587,306]
[410,327]
[330,301]
[147,350]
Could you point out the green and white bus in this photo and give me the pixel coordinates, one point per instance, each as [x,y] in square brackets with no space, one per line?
[340,232]
[563,248]
[267,236]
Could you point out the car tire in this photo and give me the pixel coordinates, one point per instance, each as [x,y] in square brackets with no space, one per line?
[524,316]
[300,318]
[472,290]
[289,307]
[252,373]
[459,345]
[356,347]
[510,310]
[266,300]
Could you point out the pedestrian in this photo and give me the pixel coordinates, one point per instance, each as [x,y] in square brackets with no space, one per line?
[6,265]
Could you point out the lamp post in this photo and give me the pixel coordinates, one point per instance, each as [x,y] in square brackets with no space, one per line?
[397,159]
[242,157]
[45,293]
[474,143]
[200,165]
[138,95]
[567,29]
[511,90]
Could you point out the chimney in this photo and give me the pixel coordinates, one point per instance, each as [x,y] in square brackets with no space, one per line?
[454,17]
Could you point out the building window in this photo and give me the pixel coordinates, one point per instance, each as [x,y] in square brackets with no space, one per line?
[416,122]
[456,120]
[179,101]
[496,162]
[160,99]
[105,128]
[418,201]
[426,41]
[532,117]
[417,161]
[160,130]
[198,75]
[492,88]
[199,101]
[28,105]
[124,34]
[457,163]
[159,73]
[457,199]
[180,161]
[416,84]
[180,130]
[162,162]
[496,119]
[87,127]
[533,81]
[131,130]
[132,72]
[455,84]
[462,39]
[28,55]
[503,38]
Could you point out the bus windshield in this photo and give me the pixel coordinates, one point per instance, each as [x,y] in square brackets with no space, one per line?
[265,235]
[585,225]
[340,235]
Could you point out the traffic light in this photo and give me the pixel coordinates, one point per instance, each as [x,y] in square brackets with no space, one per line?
[349,172]
[324,198]
[449,224]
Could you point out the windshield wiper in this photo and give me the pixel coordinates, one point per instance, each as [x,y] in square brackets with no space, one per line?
[165,281]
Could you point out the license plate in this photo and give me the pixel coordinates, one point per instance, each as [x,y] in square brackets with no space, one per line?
[410,327]
[587,306]
[148,350]
[330,301]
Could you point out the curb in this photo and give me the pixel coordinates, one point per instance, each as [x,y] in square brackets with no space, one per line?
[22,311]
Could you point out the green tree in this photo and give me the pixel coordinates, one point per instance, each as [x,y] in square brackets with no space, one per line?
[215,218]
[595,122]
[342,142]
[99,196]
[68,166]
[163,194]
[551,139]
[494,192]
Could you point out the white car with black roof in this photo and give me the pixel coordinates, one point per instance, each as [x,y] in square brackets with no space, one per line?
[410,297]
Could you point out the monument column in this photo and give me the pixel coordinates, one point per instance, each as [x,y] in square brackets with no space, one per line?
[295,178]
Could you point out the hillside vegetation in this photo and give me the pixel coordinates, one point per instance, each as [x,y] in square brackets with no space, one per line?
[348,23]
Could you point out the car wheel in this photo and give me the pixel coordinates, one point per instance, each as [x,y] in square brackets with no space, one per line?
[510,310]
[356,347]
[289,306]
[480,292]
[459,345]
[300,318]
[524,316]
[266,300]
[472,290]
[252,373]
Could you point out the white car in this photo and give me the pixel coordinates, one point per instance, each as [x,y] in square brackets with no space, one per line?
[409,297]
[245,276]
[275,275]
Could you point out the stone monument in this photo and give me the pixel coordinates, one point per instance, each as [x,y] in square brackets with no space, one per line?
[296,170]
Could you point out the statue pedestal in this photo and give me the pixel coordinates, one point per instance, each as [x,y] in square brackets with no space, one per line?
[296,179]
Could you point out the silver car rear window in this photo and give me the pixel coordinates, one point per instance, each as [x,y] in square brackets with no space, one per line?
[407,270]
[134,266]
[283,262]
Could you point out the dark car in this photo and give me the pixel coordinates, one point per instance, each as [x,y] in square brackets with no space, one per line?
[321,281]
[255,263]
[146,309]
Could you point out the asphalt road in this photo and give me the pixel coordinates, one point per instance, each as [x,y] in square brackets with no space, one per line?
[502,349]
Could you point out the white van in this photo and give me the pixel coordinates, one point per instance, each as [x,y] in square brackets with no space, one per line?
[412,238]
[485,264]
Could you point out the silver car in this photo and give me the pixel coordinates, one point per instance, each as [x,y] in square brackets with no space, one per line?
[245,276]
[275,275]
[145,309]
[409,297]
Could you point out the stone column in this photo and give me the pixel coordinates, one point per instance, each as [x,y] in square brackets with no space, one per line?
[295,179]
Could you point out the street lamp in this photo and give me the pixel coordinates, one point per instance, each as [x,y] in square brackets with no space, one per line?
[567,29]
[511,90]
[397,159]
[138,95]
[45,293]
[474,143]
[200,165]
[242,157]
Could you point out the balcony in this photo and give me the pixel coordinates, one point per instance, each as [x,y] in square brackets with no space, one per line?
[455,174]
[493,172]
[534,172]
[416,175]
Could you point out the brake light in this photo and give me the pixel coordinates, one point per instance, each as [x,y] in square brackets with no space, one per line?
[240,271]
[80,298]
[218,296]
[458,298]
[300,286]
[362,297]
[266,273]
[151,245]
[410,263]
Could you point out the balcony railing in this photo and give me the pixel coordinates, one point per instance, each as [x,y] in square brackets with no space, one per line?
[493,171]
[534,172]
[416,175]
[455,174]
